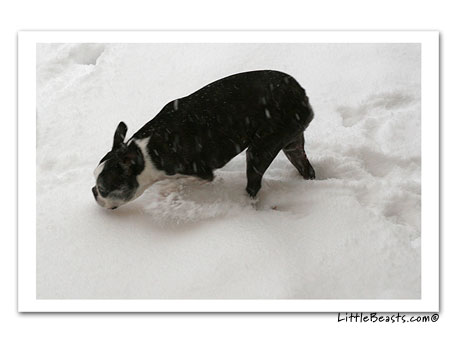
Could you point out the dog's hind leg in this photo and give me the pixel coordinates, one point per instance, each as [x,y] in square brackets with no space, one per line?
[295,153]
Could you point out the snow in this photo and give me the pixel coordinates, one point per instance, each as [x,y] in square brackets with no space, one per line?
[354,232]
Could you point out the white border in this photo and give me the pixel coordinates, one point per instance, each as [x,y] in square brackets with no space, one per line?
[27,301]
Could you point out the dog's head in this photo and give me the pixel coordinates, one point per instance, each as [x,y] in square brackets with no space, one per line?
[116,174]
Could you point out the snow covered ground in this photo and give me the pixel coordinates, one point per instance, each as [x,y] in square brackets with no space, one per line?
[354,232]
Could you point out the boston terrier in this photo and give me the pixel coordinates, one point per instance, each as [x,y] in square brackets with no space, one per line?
[262,111]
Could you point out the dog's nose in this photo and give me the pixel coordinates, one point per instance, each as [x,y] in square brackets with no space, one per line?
[94,191]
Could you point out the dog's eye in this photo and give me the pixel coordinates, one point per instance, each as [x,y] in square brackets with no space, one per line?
[102,191]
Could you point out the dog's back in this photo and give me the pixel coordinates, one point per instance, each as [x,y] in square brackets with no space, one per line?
[263,111]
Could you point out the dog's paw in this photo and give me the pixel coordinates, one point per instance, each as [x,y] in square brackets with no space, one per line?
[253,202]
[309,173]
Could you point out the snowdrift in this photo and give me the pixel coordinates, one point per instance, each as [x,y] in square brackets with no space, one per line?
[354,232]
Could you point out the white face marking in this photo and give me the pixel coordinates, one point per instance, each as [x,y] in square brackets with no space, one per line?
[98,170]
[108,202]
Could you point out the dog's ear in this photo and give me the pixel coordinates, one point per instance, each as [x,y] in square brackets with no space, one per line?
[119,135]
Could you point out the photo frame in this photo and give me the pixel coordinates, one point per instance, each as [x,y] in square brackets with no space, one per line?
[27,172]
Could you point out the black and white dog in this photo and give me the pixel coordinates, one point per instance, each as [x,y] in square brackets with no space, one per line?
[265,111]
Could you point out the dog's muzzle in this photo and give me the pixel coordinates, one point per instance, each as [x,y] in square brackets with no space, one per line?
[100,201]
